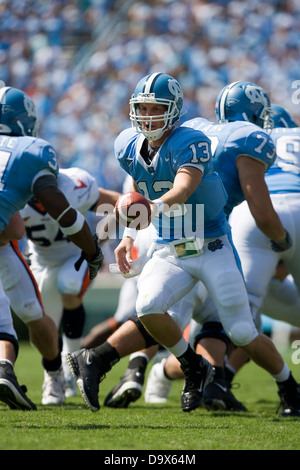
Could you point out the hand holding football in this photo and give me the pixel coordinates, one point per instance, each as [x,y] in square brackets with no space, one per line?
[133,210]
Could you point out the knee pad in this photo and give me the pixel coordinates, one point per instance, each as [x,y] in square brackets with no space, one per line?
[11,339]
[147,337]
[70,286]
[242,332]
[212,329]
[73,322]
[30,311]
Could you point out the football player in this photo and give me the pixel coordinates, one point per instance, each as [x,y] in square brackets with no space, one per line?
[173,166]
[279,299]
[52,264]
[242,159]
[29,167]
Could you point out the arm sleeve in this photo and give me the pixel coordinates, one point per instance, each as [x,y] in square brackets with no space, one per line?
[43,182]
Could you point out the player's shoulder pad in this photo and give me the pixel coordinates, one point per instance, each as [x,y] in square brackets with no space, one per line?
[36,145]
[75,173]
[124,141]
[41,152]
[285,131]
[254,141]
[198,123]
[242,131]
[183,136]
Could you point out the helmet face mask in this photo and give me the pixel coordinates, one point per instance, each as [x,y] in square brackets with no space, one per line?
[245,101]
[17,113]
[162,90]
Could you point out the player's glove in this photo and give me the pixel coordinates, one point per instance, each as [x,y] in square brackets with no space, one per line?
[95,264]
[285,244]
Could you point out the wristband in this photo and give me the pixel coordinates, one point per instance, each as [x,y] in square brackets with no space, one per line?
[285,244]
[159,205]
[76,227]
[130,232]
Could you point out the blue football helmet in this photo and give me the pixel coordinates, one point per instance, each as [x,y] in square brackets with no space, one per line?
[282,117]
[17,113]
[161,89]
[244,101]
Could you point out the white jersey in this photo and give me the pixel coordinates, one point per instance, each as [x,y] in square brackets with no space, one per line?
[47,243]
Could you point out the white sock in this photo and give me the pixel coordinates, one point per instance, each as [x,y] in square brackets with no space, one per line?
[8,362]
[179,348]
[71,344]
[283,375]
[138,354]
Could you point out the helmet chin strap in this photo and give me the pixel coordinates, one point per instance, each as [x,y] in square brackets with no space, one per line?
[154,135]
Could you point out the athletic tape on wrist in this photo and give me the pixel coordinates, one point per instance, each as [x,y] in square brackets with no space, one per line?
[159,204]
[130,232]
[76,227]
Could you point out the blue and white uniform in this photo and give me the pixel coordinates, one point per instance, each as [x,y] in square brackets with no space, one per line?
[259,261]
[52,254]
[229,141]
[182,148]
[167,277]
[23,161]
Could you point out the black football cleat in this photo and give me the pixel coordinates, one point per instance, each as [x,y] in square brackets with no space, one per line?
[128,390]
[218,396]
[196,379]
[11,393]
[290,403]
[88,369]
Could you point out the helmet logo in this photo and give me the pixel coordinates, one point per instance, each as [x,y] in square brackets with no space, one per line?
[175,88]
[255,95]
[29,106]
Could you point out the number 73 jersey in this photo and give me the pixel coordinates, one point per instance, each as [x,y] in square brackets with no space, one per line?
[229,141]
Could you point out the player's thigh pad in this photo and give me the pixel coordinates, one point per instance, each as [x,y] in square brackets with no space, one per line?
[20,287]
[46,277]
[6,322]
[127,300]
[161,284]
[70,281]
[182,311]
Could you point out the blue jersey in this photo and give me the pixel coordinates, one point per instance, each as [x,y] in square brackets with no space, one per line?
[229,141]
[183,147]
[22,161]
[284,175]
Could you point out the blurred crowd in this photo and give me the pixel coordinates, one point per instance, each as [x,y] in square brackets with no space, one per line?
[80,61]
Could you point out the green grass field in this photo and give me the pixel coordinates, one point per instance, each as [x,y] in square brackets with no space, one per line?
[147,427]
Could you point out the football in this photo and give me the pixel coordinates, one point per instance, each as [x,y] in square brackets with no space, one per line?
[133,210]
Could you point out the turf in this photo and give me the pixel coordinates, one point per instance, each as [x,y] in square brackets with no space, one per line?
[144,426]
